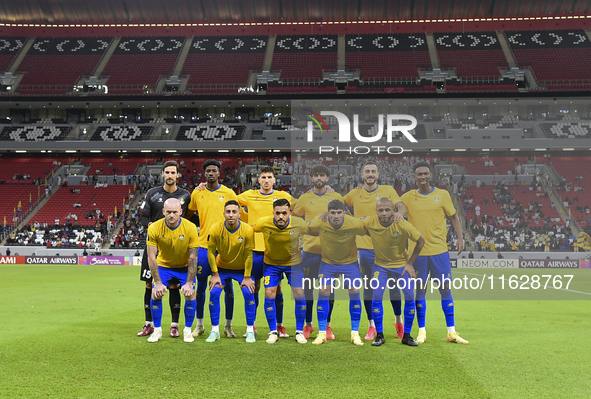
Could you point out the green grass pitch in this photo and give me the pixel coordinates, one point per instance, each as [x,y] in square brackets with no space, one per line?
[70,332]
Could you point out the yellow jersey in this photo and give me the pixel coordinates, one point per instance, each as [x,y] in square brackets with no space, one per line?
[364,204]
[309,206]
[209,205]
[427,212]
[231,245]
[281,245]
[390,242]
[173,243]
[260,205]
[338,245]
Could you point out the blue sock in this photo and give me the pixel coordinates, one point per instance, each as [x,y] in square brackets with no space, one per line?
[322,310]
[256,300]
[190,312]
[447,304]
[271,313]
[409,315]
[331,306]
[249,306]
[301,310]
[201,287]
[355,310]
[396,301]
[279,308]
[378,315]
[229,301]
[421,308]
[214,305]
[309,296]
[156,306]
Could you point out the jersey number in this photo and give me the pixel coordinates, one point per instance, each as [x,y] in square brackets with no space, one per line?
[376,274]
[266,280]
[199,268]
[146,273]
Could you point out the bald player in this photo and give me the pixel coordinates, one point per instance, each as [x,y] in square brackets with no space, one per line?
[392,265]
[362,202]
[174,239]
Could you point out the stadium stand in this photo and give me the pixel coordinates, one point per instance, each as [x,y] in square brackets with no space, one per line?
[471,54]
[543,51]
[109,166]
[92,198]
[13,170]
[575,188]
[11,195]
[9,49]
[223,60]
[122,133]
[210,133]
[34,133]
[304,57]
[54,65]
[563,130]
[138,63]
[67,236]
[387,55]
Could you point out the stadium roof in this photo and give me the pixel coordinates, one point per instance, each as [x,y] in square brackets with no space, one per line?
[148,11]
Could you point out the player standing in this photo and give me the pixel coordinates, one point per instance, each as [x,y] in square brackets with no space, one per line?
[234,242]
[152,211]
[282,256]
[339,257]
[393,265]
[362,202]
[209,205]
[175,241]
[311,204]
[260,203]
[428,207]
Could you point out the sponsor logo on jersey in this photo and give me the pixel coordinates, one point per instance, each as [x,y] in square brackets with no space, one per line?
[347,233]
[221,197]
[181,237]
[436,199]
[182,201]
[396,234]
[240,239]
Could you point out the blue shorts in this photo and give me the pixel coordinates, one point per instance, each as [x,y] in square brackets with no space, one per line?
[310,265]
[366,261]
[258,265]
[203,269]
[433,266]
[274,274]
[390,278]
[350,273]
[227,275]
[170,276]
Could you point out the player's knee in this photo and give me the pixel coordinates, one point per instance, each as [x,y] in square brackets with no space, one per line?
[353,290]
[271,292]
[297,292]
[324,291]
[149,285]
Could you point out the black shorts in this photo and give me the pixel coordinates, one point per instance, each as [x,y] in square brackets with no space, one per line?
[145,273]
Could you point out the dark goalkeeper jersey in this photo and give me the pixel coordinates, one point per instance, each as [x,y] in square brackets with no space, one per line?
[153,203]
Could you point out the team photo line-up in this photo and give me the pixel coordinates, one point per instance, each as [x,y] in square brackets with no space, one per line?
[262,235]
